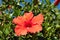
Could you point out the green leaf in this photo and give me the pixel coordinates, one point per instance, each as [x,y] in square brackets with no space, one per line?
[6,31]
[1,33]
[48,2]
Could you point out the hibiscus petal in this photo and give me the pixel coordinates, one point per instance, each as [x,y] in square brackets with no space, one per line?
[19,20]
[20,30]
[28,16]
[38,19]
[34,29]
[56,2]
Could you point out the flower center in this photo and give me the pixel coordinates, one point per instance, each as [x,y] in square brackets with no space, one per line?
[28,24]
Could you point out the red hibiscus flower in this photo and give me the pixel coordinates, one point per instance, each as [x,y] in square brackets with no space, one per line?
[28,23]
[56,2]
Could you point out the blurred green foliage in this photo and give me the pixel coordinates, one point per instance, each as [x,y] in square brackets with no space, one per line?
[12,8]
